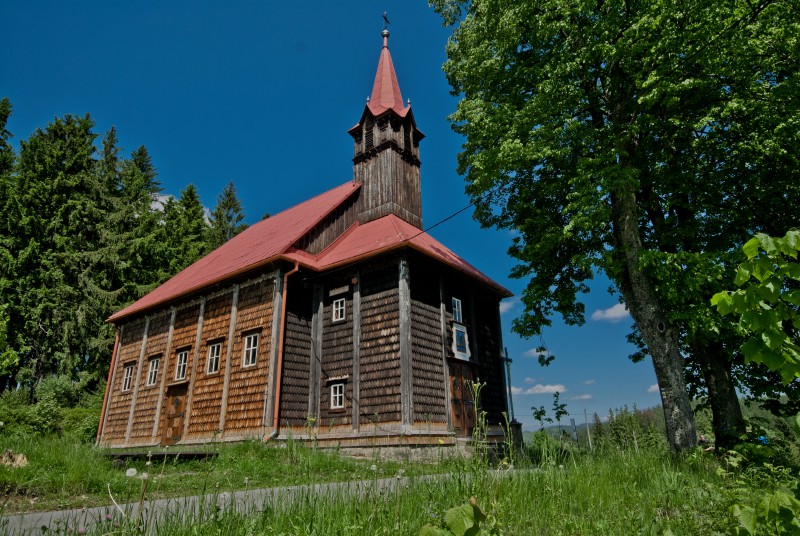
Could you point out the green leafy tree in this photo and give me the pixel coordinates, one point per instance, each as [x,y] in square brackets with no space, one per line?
[226,218]
[767,306]
[618,137]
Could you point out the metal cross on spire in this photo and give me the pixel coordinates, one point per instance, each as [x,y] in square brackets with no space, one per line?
[385,20]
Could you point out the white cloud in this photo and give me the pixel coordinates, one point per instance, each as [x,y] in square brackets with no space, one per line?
[529,380]
[613,314]
[507,305]
[534,352]
[539,389]
[653,388]
[581,397]
[588,382]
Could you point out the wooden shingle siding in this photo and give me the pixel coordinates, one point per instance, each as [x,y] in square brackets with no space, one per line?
[430,404]
[120,401]
[337,354]
[147,395]
[490,369]
[248,384]
[380,345]
[183,337]
[207,389]
[296,357]
[430,400]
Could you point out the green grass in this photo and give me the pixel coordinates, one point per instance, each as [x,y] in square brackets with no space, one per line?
[616,493]
[65,473]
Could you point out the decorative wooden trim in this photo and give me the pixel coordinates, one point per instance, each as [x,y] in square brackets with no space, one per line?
[315,372]
[445,365]
[270,382]
[190,391]
[228,359]
[356,405]
[406,379]
[138,377]
[167,352]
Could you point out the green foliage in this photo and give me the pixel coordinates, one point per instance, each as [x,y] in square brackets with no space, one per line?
[226,218]
[768,304]
[644,140]
[464,520]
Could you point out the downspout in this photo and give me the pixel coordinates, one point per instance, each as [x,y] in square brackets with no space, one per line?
[281,336]
[108,387]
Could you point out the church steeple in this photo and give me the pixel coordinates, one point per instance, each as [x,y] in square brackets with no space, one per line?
[386,150]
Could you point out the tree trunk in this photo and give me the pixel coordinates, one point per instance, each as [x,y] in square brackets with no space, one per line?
[726,413]
[646,311]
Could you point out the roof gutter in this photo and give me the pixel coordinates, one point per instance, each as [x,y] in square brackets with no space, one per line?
[279,371]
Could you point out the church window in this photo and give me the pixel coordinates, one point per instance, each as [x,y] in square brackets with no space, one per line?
[152,371]
[337,395]
[250,350]
[338,310]
[457,315]
[127,377]
[213,358]
[180,367]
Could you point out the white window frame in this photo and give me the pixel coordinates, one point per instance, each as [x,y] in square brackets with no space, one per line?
[181,364]
[339,308]
[337,395]
[214,352]
[250,352]
[152,371]
[127,377]
[458,315]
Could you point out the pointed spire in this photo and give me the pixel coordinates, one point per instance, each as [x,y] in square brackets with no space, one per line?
[386,91]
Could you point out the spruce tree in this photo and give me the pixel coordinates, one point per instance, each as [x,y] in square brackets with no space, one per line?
[185,231]
[226,218]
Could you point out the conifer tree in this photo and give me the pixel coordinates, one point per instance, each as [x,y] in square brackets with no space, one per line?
[226,218]
[52,229]
[185,231]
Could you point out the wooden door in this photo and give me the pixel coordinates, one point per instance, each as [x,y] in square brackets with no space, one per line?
[175,412]
[462,408]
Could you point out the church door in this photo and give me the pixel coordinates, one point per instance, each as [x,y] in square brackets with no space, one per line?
[175,412]
[462,407]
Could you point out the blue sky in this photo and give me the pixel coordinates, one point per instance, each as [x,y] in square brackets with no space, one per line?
[263,93]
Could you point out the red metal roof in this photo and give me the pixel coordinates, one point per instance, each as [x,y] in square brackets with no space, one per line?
[386,90]
[259,244]
[383,235]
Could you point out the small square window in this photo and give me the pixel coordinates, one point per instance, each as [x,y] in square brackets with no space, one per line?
[127,377]
[457,316]
[180,367]
[338,310]
[213,358]
[250,350]
[152,372]
[337,395]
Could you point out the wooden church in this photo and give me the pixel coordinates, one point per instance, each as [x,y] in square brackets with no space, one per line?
[339,317]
